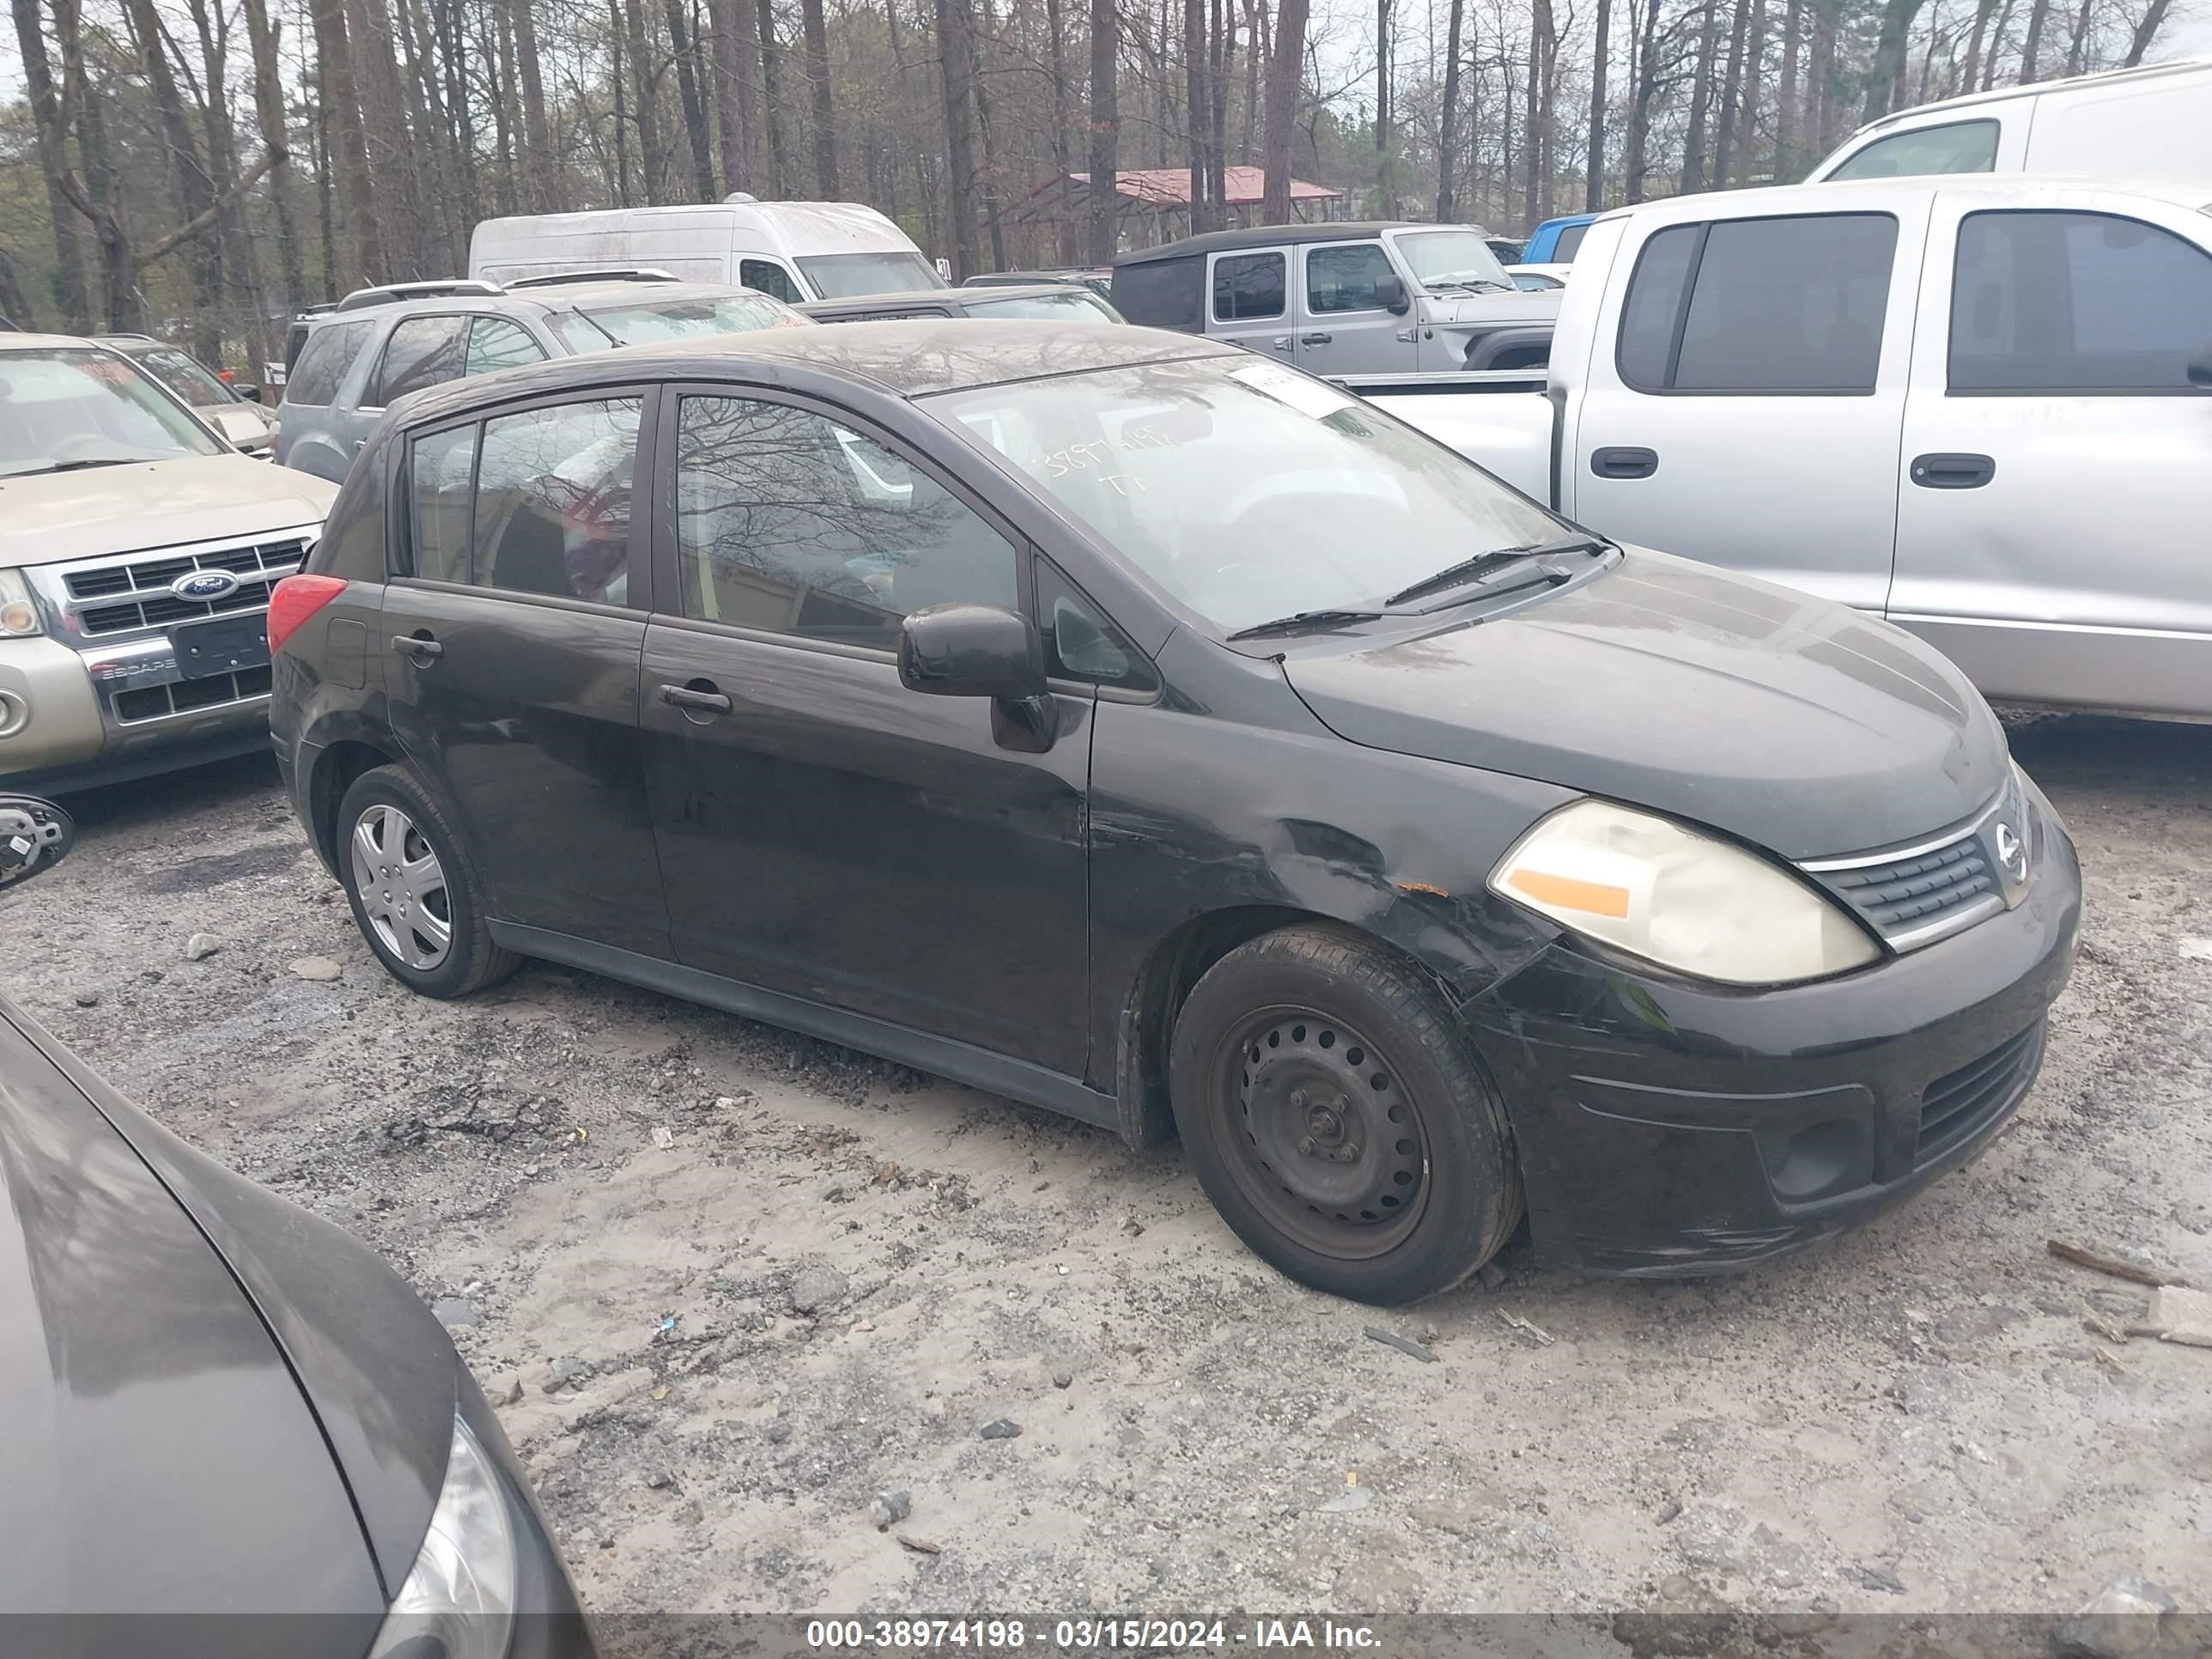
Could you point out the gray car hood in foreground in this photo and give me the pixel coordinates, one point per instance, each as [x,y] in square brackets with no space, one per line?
[1783,720]
[181,1355]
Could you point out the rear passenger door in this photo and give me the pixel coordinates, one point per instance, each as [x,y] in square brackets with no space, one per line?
[1744,402]
[1249,299]
[511,635]
[1343,326]
[2057,461]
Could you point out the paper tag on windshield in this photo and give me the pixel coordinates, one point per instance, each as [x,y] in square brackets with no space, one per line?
[1301,391]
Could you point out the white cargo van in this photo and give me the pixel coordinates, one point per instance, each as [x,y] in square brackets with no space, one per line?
[2151,122]
[796,251]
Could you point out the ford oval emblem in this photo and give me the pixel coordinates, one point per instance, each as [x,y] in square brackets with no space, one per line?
[204,586]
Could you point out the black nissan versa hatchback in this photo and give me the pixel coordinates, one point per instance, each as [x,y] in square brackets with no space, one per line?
[1140,729]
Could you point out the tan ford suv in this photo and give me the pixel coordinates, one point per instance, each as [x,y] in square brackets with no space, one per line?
[137,549]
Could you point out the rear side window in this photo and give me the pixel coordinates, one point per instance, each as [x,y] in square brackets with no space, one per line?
[323,361]
[552,503]
[766,276]
[1954,147]
[1249,285]
[1163,293]
[1344,278]
[422,351]
[1571,240]
[2075,302]
[1774,305]
[496,343]
[441,470]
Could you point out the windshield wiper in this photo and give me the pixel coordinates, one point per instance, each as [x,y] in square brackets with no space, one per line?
[1304,619]
[1471,284]
[1452,574]
[100,460]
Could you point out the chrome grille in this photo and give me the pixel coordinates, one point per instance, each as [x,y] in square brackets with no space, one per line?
[1914,895]
[121,596]
[151,702]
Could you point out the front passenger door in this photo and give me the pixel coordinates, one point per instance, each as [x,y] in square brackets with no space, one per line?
[824,832]
[1344,328]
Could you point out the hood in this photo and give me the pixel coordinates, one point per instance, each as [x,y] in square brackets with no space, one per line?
[159,1455]
[151,504]
[1783,720]
[1490,308]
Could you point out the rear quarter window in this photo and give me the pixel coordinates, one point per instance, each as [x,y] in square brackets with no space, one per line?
[1163,293]
[329,353]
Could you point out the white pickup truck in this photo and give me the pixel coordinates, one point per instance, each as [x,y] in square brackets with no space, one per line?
[1978,406]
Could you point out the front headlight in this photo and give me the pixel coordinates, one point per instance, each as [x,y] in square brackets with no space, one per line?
[1663,891]
[19,614]
[458,1601]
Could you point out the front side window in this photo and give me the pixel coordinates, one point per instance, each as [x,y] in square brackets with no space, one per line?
[767,276]
[66,411]
[1243,489]
[187,376]
[496,343]
[1343,279]
[2076,302]
[788,522]
[552,508]
[851,276]
[1775,306]
[422,352]
[441,471]
[1247,285]
[324,361]
[1954,147]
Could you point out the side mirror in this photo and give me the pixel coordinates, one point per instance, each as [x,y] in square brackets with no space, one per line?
[1390,294]
[2200,365]
[251,393]
[971,651]
[34,834]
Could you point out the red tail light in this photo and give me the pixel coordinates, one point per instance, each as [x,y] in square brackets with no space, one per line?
[294,600]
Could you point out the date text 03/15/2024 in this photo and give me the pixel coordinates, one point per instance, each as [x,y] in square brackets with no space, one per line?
[1083,1635]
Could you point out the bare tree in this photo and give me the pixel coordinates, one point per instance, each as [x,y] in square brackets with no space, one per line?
[956,76]
[69,289]
[1448,117]
[1594,156]
[826,117]
[1105,68]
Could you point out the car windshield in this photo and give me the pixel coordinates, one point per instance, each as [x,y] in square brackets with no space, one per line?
[854,275]
[676,319]
[1243,489]
[1075,305]
[185,376]
[1447,258]
[64,409]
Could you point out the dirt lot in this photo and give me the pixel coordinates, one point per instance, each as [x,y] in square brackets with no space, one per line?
[782,1278]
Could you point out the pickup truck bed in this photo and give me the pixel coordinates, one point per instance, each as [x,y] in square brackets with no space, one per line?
[1500,417]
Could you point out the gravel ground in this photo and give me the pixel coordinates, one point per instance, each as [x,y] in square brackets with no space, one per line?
[737,1283]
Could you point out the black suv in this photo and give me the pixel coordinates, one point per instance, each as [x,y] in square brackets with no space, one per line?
[1147,731]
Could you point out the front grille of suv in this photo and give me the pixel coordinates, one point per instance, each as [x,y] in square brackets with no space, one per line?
[151,702]
[122,596]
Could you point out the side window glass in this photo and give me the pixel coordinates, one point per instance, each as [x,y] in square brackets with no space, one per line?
[1655,297]
[2074,302]
[496,343]
[441,469]
[553,500]
[1779,306]
[1955,147]
[323,361]
[788,522]
[422,351]
[1080,643]
[766,276]
[1249,285]
[1343,279]
[1569,243]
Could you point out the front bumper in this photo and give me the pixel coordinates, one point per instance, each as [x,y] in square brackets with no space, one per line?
[58,731]
[1667,1127]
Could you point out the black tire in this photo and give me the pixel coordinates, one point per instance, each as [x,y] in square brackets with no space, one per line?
[390,798]
[1338,1117]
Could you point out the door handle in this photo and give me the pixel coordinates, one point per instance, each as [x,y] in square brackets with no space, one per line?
[1952,471]
[418,648]
[1280,342]
[1624,461]
[1316,339]
[700,697]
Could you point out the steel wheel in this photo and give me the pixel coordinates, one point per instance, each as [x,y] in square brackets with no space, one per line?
[1324,1138]
[401,887]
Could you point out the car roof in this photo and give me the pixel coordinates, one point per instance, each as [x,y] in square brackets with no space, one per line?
[539,300]
[905,357]
[25,341]
[2018,190]
[1946,107]
[983,294]
[1218,241]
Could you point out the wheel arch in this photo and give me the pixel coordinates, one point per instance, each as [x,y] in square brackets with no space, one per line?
[335,770]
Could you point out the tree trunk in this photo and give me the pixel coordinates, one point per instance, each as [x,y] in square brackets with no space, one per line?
[1731,96]
[1222,47]
[1062,148]
[70,298]
[2075,46]
[1787,166]
[956,61]
[1971,78]
[616,77]
[2038,17]
[1105,63]
[1701,100]
[540,180]
[356,188]
[1385,185]
[1594,153]
[1635,161]
[737,60]
[826,115]
[685,44]
[1534,185]
[195,188]
[988,174]
[1897,17]
[781,163]
[1448,117]
[405,204]
[507,106]
[1754,90]
[1195,105]
[1285,70]
[325,198]
[15,304]
[2153,19]
[1996,47]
